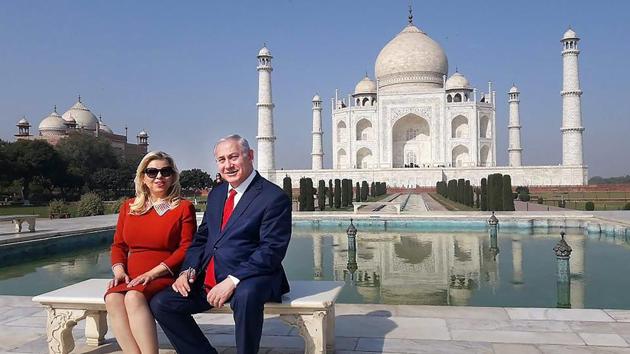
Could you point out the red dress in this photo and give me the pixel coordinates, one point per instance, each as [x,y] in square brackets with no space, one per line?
[141,242]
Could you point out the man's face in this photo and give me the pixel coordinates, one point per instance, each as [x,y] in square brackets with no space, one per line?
[234,165]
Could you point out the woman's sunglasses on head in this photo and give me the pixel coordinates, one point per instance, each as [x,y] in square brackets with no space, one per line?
[164,171]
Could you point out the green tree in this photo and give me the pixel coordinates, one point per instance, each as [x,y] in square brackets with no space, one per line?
[331,202]
[364,191]
[321,195]
[508,198]
[337,193]
[31,159]
[85,154]
[483,201]
[357,192]
[344,193]
[287,186]
[194,179]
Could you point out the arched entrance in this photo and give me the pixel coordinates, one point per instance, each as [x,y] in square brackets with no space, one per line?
[411,136]
[461,157]
[364,158]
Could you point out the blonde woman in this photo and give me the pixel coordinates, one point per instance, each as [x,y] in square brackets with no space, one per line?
[153,233]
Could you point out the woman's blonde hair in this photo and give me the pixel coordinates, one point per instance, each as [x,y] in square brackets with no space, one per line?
[142,203]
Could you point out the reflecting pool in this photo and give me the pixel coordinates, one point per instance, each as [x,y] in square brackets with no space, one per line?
[407,267]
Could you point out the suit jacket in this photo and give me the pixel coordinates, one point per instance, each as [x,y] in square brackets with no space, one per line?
[254,241]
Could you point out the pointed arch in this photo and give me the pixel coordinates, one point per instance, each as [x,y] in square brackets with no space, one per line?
[364,158]
[364,129]
[342,132]
[485,128]
[459,127]
[342,159]
[460,155]
[411,133]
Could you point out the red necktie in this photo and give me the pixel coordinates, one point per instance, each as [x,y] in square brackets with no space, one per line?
[210,281]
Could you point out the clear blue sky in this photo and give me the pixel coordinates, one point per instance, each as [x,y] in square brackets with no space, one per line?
[186,71]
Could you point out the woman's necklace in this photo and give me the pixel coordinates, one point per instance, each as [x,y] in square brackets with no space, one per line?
[161,206]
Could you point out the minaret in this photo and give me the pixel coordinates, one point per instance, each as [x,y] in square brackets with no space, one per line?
[572,129]
[318,152]
[514,128]
[266,139]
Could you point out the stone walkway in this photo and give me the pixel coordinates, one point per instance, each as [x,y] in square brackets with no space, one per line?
[433,204]
[379,329]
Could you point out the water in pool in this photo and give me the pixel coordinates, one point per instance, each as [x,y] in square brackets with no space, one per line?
[407,267]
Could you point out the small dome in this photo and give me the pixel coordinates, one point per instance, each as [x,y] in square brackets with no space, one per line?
[143,134]
[316,98]
[264,52]
[52,122]
[411,57]
[366,85]
[103,127]
[570,34]
[514,89]
[82,115]
[23,122]
[457,81]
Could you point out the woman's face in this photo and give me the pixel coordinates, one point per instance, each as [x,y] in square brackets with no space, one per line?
[160,185]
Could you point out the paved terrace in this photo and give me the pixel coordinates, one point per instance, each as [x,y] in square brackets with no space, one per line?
[378,329]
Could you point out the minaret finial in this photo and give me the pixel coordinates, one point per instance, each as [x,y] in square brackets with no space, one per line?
[55,108]
[79,98]
[410,17]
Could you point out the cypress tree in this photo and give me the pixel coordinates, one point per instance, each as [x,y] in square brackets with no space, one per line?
[350,194]
[461,191]
[310,201]
[357,192]
[301,198]
[364,191]
[344,193]
[467,193]
[372,190]
[495,192]
[452,190]
[321,195]
[331,203]
[287,187]
[337,193]
[483,204]
[508,197]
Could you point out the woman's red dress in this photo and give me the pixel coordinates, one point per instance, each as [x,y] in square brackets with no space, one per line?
[141,242]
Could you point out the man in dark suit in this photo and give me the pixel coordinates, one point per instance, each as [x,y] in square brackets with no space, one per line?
[236,256]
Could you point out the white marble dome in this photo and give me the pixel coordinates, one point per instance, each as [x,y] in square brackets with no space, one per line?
[264,52]
[366,85]
[514,89]
[143,134]
[104,127]
[23,122]
[53,123]
[411,57]
[316,98]
[82,115]
[457,81]
[570,34]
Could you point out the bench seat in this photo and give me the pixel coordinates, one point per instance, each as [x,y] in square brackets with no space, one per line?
[19,219]
[310,306]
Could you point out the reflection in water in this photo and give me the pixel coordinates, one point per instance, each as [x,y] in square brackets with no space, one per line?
[517,262]
[577,243]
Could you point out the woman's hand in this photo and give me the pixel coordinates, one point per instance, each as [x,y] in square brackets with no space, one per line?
[119,276]
[143,279]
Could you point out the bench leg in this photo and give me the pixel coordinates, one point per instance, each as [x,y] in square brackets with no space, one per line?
[312,328]
[95,328]
[59,329]
[31,225]
[18,225]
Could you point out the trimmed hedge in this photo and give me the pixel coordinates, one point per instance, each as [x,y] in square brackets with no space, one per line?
[589,206]
[321,195]
[483,203]
[508,200]
[287,187]
[337,193]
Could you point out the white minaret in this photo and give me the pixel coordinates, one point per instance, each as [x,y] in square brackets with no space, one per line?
[318,152]
[572,129]
[514,128]
[266,139]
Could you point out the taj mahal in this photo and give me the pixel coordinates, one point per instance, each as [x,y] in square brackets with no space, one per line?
[415,125]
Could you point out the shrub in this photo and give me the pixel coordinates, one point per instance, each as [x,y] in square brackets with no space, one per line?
[117,204]
[364,191]
[358,192]
[495,192]
[540,200]
[589,206]
[302,197]
[287,187]
[321,195]
[331,203]
[310,191]
[372,190]
[483,201]
[626,207]
[337,193]
[344,192]
[452,190]
[58,209]
[461,191]
[90,204]
[524,197]
[508,200]
[350,194]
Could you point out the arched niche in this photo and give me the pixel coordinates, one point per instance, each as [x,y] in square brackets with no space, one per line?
[459,127]
[485,128]
[364,129]
[461,156]
[342,132]
[342,159]
[364,158]
[485,158]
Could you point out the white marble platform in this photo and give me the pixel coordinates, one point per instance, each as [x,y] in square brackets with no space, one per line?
[378,329]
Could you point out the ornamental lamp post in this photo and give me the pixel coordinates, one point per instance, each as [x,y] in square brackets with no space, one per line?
[493,222]
[563,274]
[352,250]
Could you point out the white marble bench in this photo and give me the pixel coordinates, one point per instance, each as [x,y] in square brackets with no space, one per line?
[310,306]
[357,205]
[19,219]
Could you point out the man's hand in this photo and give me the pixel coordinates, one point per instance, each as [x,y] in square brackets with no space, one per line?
[182,283]
[220,293]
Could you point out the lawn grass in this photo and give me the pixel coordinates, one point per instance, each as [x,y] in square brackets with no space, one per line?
[42,211]
[451,205]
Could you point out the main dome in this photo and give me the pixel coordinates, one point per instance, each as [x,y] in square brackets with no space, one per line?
[412,57]
[82,115]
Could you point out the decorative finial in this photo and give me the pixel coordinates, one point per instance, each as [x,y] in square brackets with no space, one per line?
[100,118]
[79,98]
[562,249]
[264,44]
[410,17]
[366,75]
[55,109]
[456,69]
